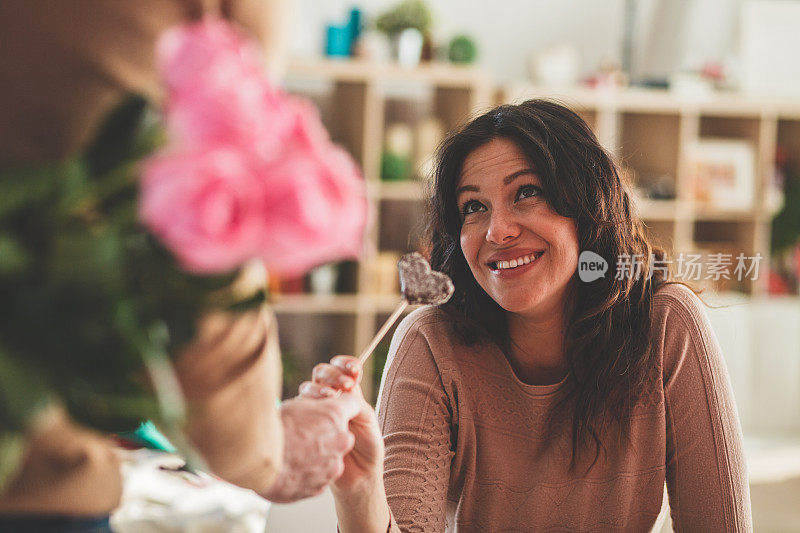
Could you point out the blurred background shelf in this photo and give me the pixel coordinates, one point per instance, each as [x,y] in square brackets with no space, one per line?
[315,303]
[660,101]
[355,70]
[660,209]
[409,190]
[334,303]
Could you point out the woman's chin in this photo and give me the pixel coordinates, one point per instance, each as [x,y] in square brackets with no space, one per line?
[518,305]
[532,305]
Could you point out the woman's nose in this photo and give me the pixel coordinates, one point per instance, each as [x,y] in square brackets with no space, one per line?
[502,227]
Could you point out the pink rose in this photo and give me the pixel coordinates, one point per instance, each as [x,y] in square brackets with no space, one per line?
[206,118]
[317,204]
[217,209]
[205,206]
[209,53]
[250,171]
[218,91]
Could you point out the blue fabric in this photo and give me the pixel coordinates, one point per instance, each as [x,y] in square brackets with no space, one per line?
[54,524]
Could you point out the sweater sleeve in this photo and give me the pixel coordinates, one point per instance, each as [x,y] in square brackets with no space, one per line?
[705,465]
[415,417]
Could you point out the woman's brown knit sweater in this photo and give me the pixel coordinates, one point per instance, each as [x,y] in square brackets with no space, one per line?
[468,449]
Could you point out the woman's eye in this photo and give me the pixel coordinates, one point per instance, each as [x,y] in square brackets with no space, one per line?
[472,206]
[528,191]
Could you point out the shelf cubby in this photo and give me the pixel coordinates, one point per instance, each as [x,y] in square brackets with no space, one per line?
[308,339]
[788,138]
[401,225]
[745,128]
[661,233]
[648,151]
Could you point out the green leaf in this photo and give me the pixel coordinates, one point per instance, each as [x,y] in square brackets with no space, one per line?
[114,140]
[150,137]
[12,446]
[23,392]
[14,259]
[51,189]
[406,14]
[786,225]
[118,192]
[93,260]
[22,187]
[111,412]
[76,192]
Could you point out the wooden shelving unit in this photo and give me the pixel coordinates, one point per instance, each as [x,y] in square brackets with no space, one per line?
[648,131]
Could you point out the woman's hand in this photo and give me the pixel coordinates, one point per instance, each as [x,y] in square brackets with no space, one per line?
[359,493]
[363,466]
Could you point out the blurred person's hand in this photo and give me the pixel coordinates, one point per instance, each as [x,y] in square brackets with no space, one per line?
[316,441]
[364,464]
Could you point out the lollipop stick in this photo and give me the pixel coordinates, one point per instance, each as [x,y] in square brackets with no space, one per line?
[382,332]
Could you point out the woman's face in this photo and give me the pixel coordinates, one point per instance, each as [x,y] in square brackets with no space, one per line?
[521,252]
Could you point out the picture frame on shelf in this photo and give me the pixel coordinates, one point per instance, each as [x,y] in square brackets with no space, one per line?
[722,173]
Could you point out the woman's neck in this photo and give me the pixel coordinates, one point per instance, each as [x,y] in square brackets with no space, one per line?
[536,347]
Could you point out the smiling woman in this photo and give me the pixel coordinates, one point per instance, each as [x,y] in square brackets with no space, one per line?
[533,400]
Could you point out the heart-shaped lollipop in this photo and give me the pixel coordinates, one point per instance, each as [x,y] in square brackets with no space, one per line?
[421,285]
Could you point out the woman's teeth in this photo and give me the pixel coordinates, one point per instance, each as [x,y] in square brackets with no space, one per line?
[514,263]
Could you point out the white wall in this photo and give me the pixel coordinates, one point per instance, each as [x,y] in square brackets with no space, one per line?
[760,340]
[510,31]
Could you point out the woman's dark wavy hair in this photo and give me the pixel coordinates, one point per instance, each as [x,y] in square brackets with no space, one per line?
[608,332]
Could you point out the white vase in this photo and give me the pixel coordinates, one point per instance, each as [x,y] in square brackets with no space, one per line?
[323,279]
[374,46]
[407,47]
[556,66]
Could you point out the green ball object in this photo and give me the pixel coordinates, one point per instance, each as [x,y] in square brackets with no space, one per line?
[462,49]
[395,167]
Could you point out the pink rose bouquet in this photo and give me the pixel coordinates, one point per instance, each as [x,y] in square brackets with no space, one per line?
[249,171]
[116,259]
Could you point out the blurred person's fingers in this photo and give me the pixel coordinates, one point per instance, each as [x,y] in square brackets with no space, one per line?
[316,440]
[334,469]
[332,376]
[309,389]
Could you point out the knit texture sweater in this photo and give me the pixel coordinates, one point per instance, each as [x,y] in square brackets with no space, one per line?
[468,447]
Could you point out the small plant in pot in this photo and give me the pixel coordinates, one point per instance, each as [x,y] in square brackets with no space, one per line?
[406,24]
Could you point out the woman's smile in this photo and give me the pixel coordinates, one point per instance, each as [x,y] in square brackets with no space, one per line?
[515,267]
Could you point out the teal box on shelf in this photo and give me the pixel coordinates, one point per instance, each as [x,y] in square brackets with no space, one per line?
[340,39]
[338,43]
